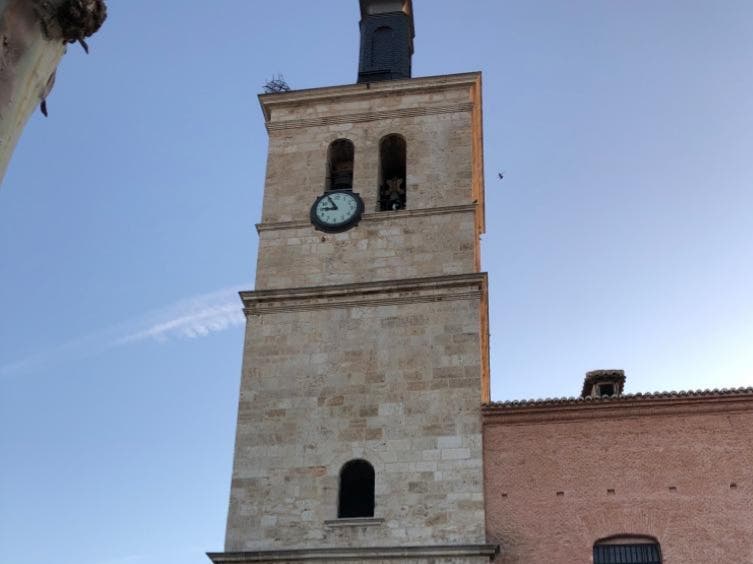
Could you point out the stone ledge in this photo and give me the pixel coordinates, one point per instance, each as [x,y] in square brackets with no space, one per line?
[357,554]
[410,290]
[370,116]
[354,522]
[330,94]
[372,217]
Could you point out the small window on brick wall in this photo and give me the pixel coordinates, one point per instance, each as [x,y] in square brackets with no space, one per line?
[340,165]
[356,497]
[392,176]
[627,550]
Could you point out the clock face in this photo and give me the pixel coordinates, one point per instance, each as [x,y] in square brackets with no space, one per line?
[336,210]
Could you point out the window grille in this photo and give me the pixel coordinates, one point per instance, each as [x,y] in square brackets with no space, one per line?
[646,553]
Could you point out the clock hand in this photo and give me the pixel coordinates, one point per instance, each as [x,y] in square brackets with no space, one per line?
[331,203]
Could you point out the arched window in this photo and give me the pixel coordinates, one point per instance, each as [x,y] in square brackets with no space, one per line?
[627,550]
[356,490]
[340,165]
[382,48]
[392,176]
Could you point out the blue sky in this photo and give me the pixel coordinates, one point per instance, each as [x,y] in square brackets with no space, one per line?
[620,237]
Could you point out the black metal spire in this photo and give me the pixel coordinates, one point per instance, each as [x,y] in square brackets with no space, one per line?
[386,40]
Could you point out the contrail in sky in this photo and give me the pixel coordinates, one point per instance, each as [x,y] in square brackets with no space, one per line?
[188,319]
[191,318]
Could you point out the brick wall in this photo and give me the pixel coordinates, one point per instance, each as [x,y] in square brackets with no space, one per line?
[560,477]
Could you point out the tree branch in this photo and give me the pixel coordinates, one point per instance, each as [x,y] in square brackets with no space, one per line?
[70,20]
[33,34]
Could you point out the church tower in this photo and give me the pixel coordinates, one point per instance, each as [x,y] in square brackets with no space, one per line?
[366,350]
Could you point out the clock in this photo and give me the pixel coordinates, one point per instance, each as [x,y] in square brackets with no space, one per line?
[336,210]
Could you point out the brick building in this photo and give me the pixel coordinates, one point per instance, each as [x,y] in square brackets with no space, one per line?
[361,435]
[666,475]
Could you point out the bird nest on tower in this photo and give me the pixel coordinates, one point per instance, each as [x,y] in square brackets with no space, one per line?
[275,85]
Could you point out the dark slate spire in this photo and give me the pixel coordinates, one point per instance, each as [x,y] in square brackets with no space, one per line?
[386,40]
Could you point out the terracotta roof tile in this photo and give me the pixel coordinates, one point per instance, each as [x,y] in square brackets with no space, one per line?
[716,392]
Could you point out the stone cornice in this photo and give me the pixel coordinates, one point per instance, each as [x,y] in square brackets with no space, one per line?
[373,217]
[369,116]
[633,405]
[331,94]
[356,553]
[371,294]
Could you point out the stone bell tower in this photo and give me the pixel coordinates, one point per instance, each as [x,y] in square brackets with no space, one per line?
[366,351]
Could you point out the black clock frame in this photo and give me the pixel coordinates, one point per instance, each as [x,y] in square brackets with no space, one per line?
[319,225]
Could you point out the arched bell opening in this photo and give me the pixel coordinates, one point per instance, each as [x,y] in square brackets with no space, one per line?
[340,165]
[392,173]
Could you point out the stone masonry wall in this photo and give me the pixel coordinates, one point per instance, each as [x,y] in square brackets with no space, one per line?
[436,234]
[384,246]
[369,343]
[326,381]
[437,121]
[558,481]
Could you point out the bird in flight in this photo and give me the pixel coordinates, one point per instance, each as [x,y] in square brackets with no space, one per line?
[501,174]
